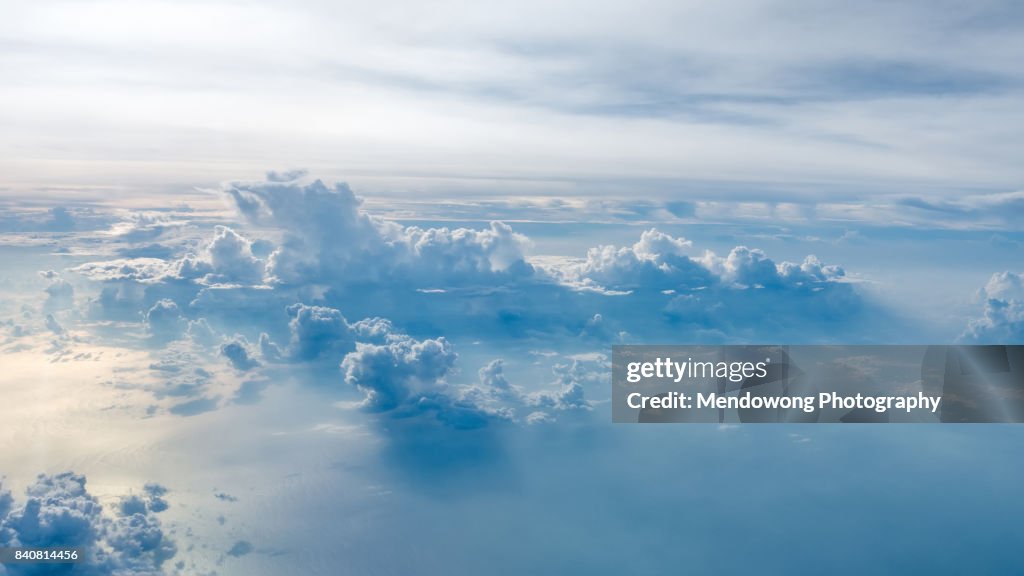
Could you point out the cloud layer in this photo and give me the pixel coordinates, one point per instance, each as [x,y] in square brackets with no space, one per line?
[58,511]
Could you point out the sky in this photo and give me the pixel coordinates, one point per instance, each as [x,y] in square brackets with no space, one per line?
[330,288]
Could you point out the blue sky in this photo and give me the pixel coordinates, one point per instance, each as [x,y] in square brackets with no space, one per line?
[332,288]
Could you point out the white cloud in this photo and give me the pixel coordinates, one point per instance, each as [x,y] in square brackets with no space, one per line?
[427,281]
[746,267]
[659,261]
[656,261]
[403,372]
[318,332]
[136,269]
[1003,318]
[329,238]
[60,512]
[226,258]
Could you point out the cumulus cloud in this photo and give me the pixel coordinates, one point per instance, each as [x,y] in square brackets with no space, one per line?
[144,270]
[60,294]
[59,512]
[571,379]
[152,500]
[412,285]
[164,320]
[402,373]
[455,281]
[226,258]
[1003,317]
[318,331]
[746,267]
[239,353]
[659,261]
[53,325]
[653,288]
[405,377]
[492,376]
[329,238]
[656,261]
[372,329]
[200,332]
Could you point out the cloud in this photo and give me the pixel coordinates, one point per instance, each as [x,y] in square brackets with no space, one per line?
[156,493]
[492,376]
[60,220]
[53,325]
[461,282]
[330,239]
[1002,321]
[59,512]
[164,320]
[55,219]
[195,407]
[571,380]
[745,267]
[656,261]
[402,373]
[141,542]
[421,290]
[250,392]
[145,270]
[240,548]
[238,352]
[132,504]
[1003,209]
[405,377]
[659,261]
[654,289]
[226,258]
[317,332]
[200,332]
[179,373]
[142,226]
[60,294]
